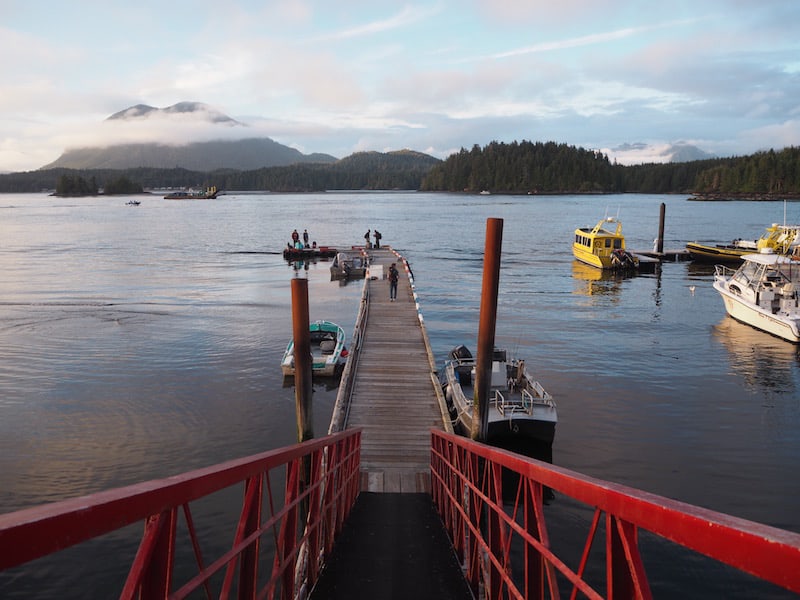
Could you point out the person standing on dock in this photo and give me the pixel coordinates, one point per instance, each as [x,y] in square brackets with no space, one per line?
[394,275]
[295,238]
[367,243]
[378,237]
[305,238]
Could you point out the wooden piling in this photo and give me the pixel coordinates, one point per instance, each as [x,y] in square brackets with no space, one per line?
[660,243]
[302,360]
[486,327]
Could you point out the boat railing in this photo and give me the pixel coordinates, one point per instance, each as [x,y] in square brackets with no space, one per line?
[513,405]
[541,394]
[724,271]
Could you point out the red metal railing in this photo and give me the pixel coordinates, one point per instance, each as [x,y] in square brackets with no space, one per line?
[321,485]
[467,488]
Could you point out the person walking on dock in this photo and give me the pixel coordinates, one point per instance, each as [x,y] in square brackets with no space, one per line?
[394,275]
[367,243]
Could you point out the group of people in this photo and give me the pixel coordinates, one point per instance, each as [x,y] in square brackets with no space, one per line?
[367,241]
[394,274]
[296,244]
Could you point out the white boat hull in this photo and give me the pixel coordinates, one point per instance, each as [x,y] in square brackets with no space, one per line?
[782,324]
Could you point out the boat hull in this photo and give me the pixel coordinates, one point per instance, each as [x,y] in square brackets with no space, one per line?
[307,253]
[522,426]
[327,350]
[586,257]
[783,327]
[717,253]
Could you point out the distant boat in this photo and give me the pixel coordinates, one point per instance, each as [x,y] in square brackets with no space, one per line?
[348,265]
[603,246]
[190,194]
[328,353]
[781,239]
[763,292]
[133,202]
[306,253]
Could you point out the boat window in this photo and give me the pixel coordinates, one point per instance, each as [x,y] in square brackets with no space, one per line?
[617,244]
[608,243]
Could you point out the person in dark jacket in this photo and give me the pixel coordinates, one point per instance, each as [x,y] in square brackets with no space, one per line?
[394,276]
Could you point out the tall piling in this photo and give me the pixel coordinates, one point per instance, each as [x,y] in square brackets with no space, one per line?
[302,360]
[660,243]
[486,327]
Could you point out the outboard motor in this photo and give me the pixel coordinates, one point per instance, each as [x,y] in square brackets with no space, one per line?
[622,260]
[460,353]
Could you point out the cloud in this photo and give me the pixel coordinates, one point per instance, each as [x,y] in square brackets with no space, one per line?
[407,16]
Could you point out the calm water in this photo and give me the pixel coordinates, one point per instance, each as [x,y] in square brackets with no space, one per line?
[140,342]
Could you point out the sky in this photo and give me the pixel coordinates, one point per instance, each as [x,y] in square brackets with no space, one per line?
[628,78]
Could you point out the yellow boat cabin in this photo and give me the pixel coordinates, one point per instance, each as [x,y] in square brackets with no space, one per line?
[603,246]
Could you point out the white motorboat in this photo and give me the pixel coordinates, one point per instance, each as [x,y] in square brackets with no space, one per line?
[522,416]
[328,352]
[348,265]
[763,293]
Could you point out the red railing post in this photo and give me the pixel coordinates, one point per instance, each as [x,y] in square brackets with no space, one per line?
[151,572]
[288,537]
[314,521]
[625,572]
[475,508]
[250,522]
[534,562]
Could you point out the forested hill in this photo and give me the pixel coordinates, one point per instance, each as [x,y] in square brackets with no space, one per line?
[403,169]
[536,167]
[520,167]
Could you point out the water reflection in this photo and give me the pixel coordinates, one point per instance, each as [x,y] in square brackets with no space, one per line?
[329,384]
[591,281]
[762,360]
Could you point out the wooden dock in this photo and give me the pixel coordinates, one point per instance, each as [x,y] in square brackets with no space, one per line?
[390,387]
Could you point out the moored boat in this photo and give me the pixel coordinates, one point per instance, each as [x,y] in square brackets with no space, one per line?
[781,239]
[346,265]
[209,193]
[328,352]
[763,293]
[306,253]
[603,246]
[522,416]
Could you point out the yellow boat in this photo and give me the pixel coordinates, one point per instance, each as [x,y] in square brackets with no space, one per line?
[603,246]
[780,239]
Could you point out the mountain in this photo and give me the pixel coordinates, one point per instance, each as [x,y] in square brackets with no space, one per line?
[640,153]
[243,154]
[195,109]
[682,152]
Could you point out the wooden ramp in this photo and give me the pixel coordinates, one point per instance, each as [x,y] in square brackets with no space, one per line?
[390,386]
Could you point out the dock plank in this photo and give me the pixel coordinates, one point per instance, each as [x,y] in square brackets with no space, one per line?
[393,397]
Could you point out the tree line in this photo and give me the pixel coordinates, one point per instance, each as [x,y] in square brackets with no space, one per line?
[528,167]
[71,184]
[517,167]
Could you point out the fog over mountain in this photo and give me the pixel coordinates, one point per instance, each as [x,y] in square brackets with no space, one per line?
[639,153]
[190,135]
